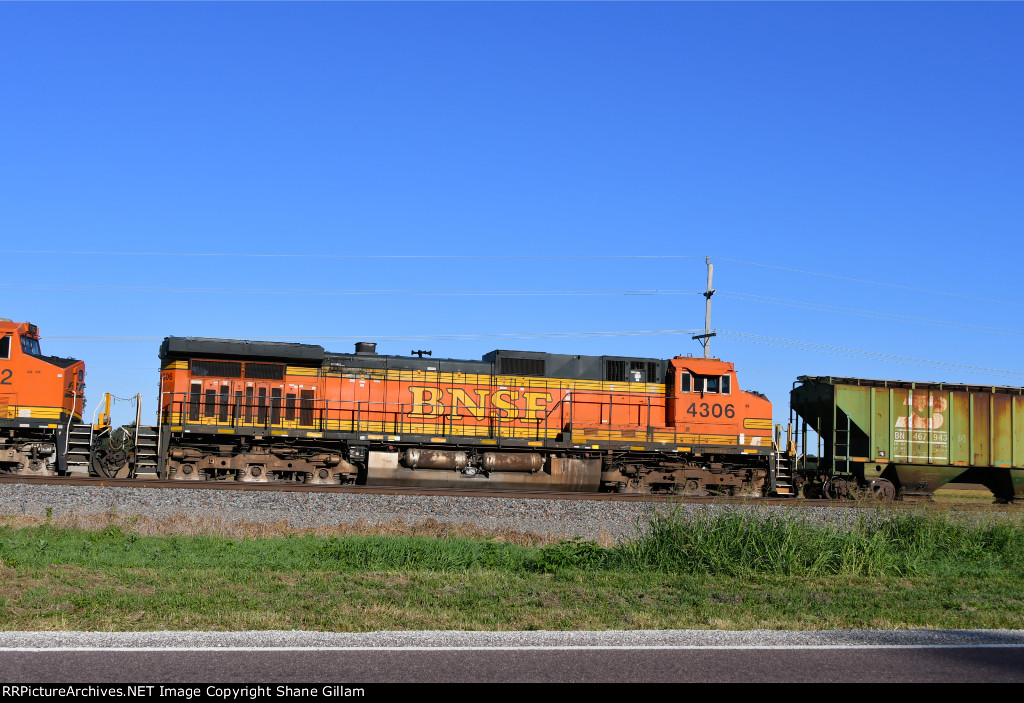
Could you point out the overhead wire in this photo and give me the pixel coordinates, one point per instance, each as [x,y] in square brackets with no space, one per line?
[538,257]
[341,291]
[865,281]
[747,337]
[873,314]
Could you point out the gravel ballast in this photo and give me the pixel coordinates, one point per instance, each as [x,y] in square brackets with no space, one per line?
[604,521]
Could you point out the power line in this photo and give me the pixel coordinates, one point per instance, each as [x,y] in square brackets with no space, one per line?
[874,314]
[738,336]
[868,282]
[496,257]
[277,255]
[861,353]
[400,338]
[341,291]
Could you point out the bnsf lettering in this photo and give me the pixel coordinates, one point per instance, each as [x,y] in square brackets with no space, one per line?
[478,403]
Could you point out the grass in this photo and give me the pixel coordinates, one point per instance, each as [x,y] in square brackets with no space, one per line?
[731,570]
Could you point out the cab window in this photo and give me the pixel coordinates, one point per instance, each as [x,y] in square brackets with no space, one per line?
[684,382]
[712,384]
[30,346]
[5,347]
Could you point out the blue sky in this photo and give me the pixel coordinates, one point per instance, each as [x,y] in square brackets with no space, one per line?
[519,175]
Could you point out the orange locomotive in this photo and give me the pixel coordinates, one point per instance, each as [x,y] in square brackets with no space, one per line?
[40,397]
[266,411]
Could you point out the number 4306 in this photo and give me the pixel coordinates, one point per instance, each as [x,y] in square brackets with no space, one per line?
[711,410]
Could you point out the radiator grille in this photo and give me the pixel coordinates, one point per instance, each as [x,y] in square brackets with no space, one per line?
[273,372]
[513,366]
[216,369]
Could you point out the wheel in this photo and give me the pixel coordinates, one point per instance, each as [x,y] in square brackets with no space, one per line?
[110,464]
[881,489]
[835,489]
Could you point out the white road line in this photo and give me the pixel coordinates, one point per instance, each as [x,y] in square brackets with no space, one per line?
[524,648]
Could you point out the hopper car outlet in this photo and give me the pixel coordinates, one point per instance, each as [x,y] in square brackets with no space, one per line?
[281,412]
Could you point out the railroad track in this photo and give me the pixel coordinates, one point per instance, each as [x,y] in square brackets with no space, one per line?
[466,492]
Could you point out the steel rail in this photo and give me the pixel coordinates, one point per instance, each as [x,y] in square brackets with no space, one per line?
[229,485]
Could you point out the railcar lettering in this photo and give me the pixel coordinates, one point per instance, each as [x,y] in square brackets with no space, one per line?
[5,377]
[457,403]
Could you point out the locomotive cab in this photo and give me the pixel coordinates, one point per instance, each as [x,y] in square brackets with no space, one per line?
[34,386]
[39,396]
[703,396]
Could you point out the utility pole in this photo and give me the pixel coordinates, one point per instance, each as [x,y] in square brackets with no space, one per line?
[705,338]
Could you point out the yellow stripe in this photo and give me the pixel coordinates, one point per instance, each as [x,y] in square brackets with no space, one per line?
[35,412]
[757,423]
[511,382]
[301,371]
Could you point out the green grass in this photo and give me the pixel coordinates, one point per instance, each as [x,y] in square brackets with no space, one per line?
[903,569]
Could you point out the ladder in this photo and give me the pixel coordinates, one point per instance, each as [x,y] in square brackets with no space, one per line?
[841,443]
[145,451]
[79,448]
[784,485]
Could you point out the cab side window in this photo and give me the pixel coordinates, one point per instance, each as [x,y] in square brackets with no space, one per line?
[684,382]
[5,347]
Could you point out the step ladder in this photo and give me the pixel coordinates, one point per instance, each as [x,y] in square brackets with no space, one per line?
[784,479]
[145,464]
[79,448]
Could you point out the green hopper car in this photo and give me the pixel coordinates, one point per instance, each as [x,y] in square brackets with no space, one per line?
[887,437]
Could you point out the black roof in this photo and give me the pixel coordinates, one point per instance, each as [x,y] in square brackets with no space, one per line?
[500,361]
[205,346]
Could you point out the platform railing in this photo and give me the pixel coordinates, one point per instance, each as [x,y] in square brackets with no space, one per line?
[398,418]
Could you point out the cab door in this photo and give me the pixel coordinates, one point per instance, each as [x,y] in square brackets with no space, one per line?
[262,389]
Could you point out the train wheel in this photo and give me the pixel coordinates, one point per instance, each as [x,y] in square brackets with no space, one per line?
[110,464]
[835,489]
[881,489]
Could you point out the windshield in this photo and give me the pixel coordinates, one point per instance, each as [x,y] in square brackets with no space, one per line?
[30,346]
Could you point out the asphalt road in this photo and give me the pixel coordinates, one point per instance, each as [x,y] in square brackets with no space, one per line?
[436,657]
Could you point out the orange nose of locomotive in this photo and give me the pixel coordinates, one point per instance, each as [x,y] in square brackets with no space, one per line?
[36,388]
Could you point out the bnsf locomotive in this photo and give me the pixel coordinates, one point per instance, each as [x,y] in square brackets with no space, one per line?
[40,396]
[264,411]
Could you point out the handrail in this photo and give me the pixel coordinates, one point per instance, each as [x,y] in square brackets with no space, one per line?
[320,411]
[71,418]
